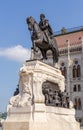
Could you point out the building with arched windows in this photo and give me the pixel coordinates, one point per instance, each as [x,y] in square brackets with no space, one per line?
[70,44]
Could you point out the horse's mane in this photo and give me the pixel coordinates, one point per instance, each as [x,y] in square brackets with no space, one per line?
[29,19]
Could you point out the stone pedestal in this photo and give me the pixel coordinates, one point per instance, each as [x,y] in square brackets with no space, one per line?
[40,117]
[27,110]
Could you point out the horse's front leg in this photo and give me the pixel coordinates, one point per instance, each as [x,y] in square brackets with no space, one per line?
[34,46]
[39,38]
[43,54]
[33,37]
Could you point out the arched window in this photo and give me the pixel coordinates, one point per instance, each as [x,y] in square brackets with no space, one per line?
[76,72]
[79,87]
[74,88]
[77,103]
[63,70]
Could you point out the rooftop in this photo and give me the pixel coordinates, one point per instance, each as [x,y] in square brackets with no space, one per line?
[73,35]
[65,31]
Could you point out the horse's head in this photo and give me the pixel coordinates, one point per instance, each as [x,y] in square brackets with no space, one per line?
[30,21]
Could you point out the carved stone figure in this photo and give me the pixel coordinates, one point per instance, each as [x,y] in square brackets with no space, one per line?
[50,97]
[46,93]
[54,96]
[56,99]
[13,101]
[24,97]
[64,103]
[40,38]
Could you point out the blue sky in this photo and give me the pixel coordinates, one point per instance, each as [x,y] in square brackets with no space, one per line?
[15,42]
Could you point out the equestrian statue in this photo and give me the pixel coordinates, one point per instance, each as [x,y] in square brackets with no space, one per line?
[42,37]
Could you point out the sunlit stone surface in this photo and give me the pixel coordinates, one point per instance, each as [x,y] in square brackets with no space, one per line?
[27,110]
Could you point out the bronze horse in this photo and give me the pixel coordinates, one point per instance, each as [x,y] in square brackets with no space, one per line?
[38,39]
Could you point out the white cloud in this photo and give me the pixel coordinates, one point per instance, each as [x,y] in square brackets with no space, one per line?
[16,53]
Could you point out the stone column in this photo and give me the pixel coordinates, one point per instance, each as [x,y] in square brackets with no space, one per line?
[37,89]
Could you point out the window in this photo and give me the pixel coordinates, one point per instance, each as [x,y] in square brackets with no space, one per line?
[77,103]
[76,70]
[79,87]
[76,88]
[63,69]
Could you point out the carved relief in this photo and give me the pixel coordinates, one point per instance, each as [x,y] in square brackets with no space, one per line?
[24,97]
[54,96]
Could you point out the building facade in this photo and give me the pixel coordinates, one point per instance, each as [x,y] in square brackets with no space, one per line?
[70,44]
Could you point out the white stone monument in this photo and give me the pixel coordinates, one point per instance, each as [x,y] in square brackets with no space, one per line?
[28,111]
